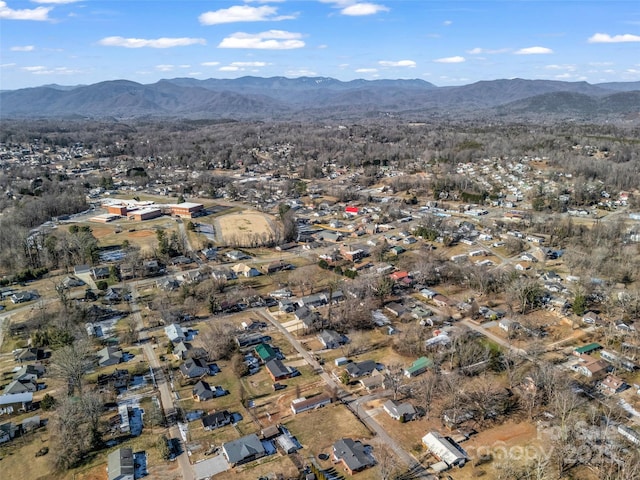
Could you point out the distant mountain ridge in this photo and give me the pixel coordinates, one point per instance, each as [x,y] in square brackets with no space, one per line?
[316,97]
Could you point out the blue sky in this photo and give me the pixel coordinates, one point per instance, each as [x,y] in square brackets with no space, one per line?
[72,42]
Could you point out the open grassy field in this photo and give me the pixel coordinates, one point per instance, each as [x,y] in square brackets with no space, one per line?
[244,228]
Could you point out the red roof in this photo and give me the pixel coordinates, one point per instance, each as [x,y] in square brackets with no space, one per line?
[399,275]
[351,210]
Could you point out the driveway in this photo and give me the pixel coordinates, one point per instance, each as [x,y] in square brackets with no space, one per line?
[210,467]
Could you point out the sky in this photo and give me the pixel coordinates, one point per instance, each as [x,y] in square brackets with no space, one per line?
[72,42]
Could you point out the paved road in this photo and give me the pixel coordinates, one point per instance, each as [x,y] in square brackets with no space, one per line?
[492,336]
[353,403]
[164,387]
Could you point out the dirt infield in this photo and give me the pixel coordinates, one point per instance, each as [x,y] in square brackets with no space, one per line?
[245,229]
[101,232]
[141,233]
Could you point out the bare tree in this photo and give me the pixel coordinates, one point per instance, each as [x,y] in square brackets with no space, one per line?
[218,340]
[394,378]
[426,390]
[71,363]
[386,459]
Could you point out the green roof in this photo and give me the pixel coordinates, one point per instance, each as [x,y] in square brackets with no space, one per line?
[265,352]
[420,364]
[588,348]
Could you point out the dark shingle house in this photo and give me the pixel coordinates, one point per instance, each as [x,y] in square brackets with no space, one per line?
[278,370]
[194,368]
[202,391]
[360,369]
[243,450]
[332,339]
[352,454]
[216,420]
[109,356]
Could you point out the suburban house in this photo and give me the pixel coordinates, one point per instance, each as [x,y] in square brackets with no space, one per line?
[373,382]
[591,367]
[243,450]
[184,350]
[21,297]
[245,270]
[591,318]
[352,454]
[395,309]
[266,352]
[29,372]
[445,449]
[300,405]
[275,267]
[332,339]
[216,420]
[202,391]
[360,369]
[17,386]
[618,360]
[251,339]
[120,464]
[589,348]
[30,355]
[100,273]
[194,368]
[278,370]
[237,255]
[15,401]
[313,301]
[417,367]
[109,356]
[399,411]
[612,384]
[629,433]
[175,333]
[7,432]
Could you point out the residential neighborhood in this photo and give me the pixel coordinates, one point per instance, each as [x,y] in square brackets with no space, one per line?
[399,319]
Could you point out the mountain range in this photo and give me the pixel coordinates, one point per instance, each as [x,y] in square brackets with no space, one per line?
[280,98]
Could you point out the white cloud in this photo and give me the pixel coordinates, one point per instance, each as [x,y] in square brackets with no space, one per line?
[486,51]
[249,64]
[569,68]
[606,38]
[303,72]
[229,68]
[7,65]
[456,59]
[35,68]
[242,13]
[39,14]
[446,23]
[399,63]
[366,70]
[270,40]
[533,51]
[24,48]
[41,70]
[165,68]
[163,42]
[600,64]
[362,9]
[210,64]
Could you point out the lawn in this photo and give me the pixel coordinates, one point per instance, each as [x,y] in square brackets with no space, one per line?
[318,430]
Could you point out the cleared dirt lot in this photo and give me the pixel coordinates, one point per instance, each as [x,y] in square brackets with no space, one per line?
[245,228]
